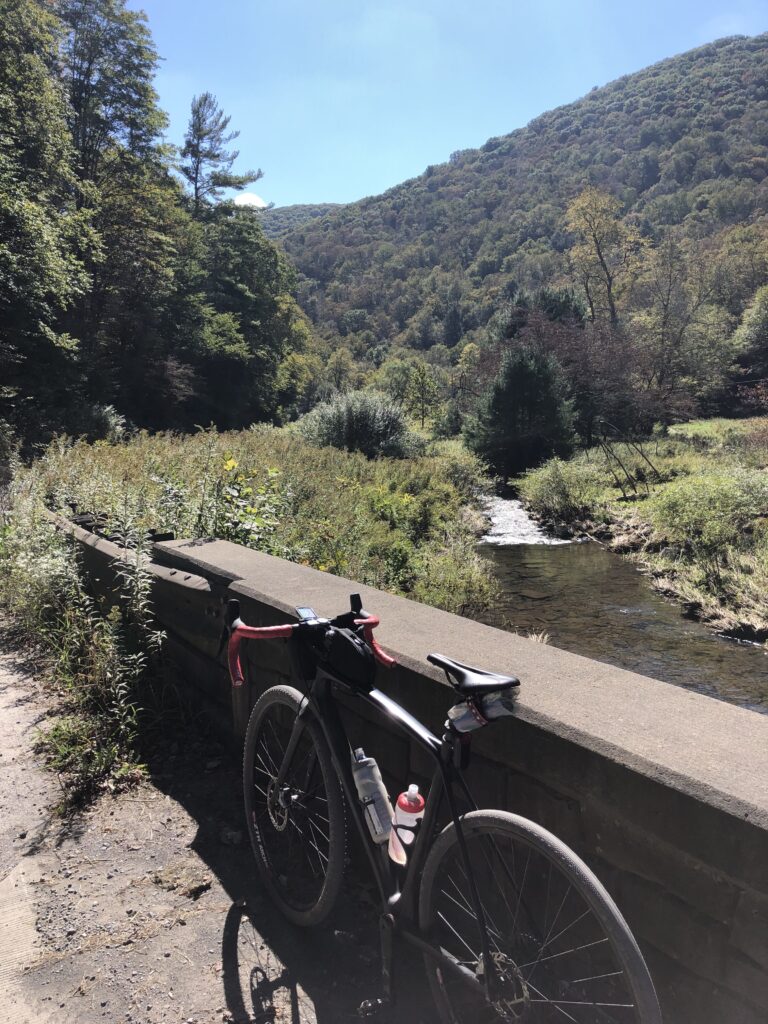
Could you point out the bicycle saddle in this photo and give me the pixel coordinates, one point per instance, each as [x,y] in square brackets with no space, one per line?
[472,681]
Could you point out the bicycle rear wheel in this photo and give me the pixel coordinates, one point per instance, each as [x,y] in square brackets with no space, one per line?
[561,949]
[298,833]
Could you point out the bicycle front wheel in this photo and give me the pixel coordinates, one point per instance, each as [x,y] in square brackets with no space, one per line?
[561,950]
[298,829]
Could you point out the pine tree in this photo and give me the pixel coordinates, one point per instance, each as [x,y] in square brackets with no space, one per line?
[208,167]
[525,417]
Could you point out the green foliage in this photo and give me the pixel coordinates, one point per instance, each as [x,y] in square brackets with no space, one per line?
[109,62]
[393,378]
[711,510]
[454,578]
[208,169]
[423,391]
[563,491]
[101,656]
[279,221]
[249,508]
[43,233]
[111,294]
[643,203]
[360,421]
[693,501]
[751,337]
[525,417]
[370,520]
[679,143]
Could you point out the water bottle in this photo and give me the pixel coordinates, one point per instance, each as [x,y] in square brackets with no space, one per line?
[373,796]
[409,810]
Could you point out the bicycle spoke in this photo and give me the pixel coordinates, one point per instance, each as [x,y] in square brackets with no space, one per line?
[462,940]
[565,952]
[554,959]
[471,914]
[520,891]
[491,927]
[559,1009]
[547,940]
[596,977]
[306,844]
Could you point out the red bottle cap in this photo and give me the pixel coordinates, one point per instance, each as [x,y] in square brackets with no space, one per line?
[411,801]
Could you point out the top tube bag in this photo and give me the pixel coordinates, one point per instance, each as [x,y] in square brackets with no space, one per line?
[349,657]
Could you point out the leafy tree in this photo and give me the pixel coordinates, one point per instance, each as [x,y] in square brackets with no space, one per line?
[452,326]
[42,235]
[340,371]
[680,146]
[297,383]
[525,418]
[393,378]
[606,251]
[680,329]
[208,167]
[109,64]
[248,281]
[423,390]
[464,379]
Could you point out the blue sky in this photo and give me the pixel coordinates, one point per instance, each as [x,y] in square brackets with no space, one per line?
[339,99]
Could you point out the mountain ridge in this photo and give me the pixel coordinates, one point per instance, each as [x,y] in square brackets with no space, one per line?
[682,144]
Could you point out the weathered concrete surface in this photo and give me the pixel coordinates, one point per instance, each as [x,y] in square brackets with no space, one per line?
[664,792]
[713,751]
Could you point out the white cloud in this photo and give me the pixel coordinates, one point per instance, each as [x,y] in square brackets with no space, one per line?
[250,199]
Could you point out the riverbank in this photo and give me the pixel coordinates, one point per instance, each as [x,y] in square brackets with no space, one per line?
[690,507]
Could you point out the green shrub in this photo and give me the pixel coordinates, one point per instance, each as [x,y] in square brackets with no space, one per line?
[361,421]
[565,491]
[711,510]
[451,575]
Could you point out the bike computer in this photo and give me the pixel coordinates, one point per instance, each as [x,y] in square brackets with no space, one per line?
[306,613]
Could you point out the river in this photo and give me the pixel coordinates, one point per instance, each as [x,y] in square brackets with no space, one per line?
[596,603]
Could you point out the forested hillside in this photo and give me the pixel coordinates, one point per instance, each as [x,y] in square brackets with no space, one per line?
[279,221]
[637,214]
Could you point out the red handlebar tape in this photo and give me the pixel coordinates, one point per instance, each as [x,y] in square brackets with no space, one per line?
[241,632]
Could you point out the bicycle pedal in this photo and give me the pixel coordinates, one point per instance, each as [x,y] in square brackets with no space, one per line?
[373,1007]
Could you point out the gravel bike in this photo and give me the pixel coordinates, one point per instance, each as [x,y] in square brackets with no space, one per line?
[511,924]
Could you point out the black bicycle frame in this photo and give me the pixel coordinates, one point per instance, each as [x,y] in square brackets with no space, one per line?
[398,888]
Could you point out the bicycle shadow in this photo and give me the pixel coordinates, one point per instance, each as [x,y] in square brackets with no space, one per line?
[272,970]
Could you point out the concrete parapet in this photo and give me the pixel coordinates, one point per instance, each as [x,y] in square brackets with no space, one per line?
[664,792]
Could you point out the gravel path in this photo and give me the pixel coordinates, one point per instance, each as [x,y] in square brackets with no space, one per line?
[145,907]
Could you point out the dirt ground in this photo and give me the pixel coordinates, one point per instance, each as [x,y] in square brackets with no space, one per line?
[146,908]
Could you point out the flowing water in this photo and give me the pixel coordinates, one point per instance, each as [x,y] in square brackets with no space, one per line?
[596,603]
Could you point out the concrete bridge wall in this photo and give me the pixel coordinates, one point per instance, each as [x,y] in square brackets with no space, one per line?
[663,792]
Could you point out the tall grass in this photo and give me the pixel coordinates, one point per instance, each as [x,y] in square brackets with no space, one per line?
[395,524]
[380,522]
[100,657]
